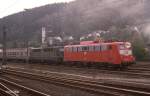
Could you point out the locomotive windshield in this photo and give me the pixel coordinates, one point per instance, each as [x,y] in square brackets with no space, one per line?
[121,46]
[125,49]
[126,45]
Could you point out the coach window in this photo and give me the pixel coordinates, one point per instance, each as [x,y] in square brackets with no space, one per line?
[46,50]
[17,53]
[36,50]
[24,53]
[50,49]
[21,53]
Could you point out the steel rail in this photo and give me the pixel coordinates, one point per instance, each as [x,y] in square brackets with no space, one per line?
[4,93]
[140,69]
[8,90]
[32,91]
[127,72]
[64,82]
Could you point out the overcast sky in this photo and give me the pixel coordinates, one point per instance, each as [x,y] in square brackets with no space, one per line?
[8,7]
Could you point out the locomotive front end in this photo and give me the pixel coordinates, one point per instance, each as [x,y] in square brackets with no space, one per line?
[125,51]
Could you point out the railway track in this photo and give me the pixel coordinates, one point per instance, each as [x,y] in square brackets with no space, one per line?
[20,90]
[91,86]
[140,69]
[144,72]
[141,65]
[5,91]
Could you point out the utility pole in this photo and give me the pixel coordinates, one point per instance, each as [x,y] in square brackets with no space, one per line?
[4,46]
[43,43]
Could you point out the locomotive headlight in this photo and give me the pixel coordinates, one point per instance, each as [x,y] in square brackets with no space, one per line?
[128,45]
[125,52]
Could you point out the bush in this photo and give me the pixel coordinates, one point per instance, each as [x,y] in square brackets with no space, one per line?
[139,52]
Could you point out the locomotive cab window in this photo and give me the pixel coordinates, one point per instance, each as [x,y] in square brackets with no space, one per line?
[121,46]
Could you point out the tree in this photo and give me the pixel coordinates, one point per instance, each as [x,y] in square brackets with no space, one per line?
[139,51]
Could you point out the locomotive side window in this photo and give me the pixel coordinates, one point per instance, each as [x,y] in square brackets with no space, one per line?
[85,48]
[79,49]
[74,49]
[104,47]
[91,48]
[71,49]
[97,48]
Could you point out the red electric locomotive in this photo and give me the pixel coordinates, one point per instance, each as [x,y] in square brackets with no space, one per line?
[93,52]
